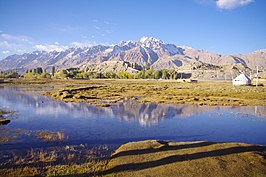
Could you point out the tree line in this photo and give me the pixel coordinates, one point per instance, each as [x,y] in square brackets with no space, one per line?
[39,73]
[144,74]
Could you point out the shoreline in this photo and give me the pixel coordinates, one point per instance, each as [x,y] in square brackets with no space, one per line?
[101,92]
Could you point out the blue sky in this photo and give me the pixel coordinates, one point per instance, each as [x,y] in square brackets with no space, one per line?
[224,26]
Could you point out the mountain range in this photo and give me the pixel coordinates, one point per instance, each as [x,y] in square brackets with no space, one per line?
[147,51]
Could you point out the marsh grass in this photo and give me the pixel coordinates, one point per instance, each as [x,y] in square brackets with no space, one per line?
[104,93]
[12,135]
[55,161]
[49,136]
[3,119]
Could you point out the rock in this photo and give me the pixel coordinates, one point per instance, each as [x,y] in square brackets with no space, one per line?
[165,158]
[4,121]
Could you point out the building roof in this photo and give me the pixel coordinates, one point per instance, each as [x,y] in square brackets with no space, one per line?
[242,77]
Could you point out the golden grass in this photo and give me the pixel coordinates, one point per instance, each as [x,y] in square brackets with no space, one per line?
[160,158]
[106,92]
[70,160]
[50,136]
[88,169]
[4,121]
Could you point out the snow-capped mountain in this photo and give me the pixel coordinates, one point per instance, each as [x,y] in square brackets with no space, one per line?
[146,51]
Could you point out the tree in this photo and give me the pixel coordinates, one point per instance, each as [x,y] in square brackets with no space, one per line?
[172,74]
[158,74]
[112,75]
[141,74]
[125,75]
[100,75]
[61,75]
[53,71]
[44,76]
[165,74]
[39,70]
[148,66]
[149,74]
[30,75]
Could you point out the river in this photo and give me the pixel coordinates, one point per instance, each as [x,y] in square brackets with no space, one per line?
[84,124]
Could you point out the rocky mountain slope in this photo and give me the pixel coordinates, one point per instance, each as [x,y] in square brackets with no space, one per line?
[147,51]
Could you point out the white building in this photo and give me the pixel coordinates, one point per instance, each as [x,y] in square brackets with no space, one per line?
[242,79]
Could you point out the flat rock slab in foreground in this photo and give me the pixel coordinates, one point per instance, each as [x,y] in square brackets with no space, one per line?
[162,158]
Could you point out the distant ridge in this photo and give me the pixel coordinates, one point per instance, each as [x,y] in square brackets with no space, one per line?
[147,51]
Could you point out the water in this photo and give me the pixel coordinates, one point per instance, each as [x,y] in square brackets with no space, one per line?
[126,121]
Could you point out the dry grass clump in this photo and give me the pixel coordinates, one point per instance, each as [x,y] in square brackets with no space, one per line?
[50,135]
[61,160]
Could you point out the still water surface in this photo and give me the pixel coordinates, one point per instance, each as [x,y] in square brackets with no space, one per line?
[129,121]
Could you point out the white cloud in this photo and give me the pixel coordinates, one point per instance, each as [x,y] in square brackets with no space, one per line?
[21,51]
[97,27]
[84,37]
[50,47]
[77,44]
[14,44]
[108,31]
[205,2]
[5,44]
[6,52]
[17,38]
[17,44]
[231,4]
[81,44]
[68,29]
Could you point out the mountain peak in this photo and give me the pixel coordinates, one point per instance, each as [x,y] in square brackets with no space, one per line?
[129,43]
[145,39]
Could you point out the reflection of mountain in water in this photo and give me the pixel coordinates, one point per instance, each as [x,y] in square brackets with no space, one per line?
[144,113]
[152,113]
[20,100]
